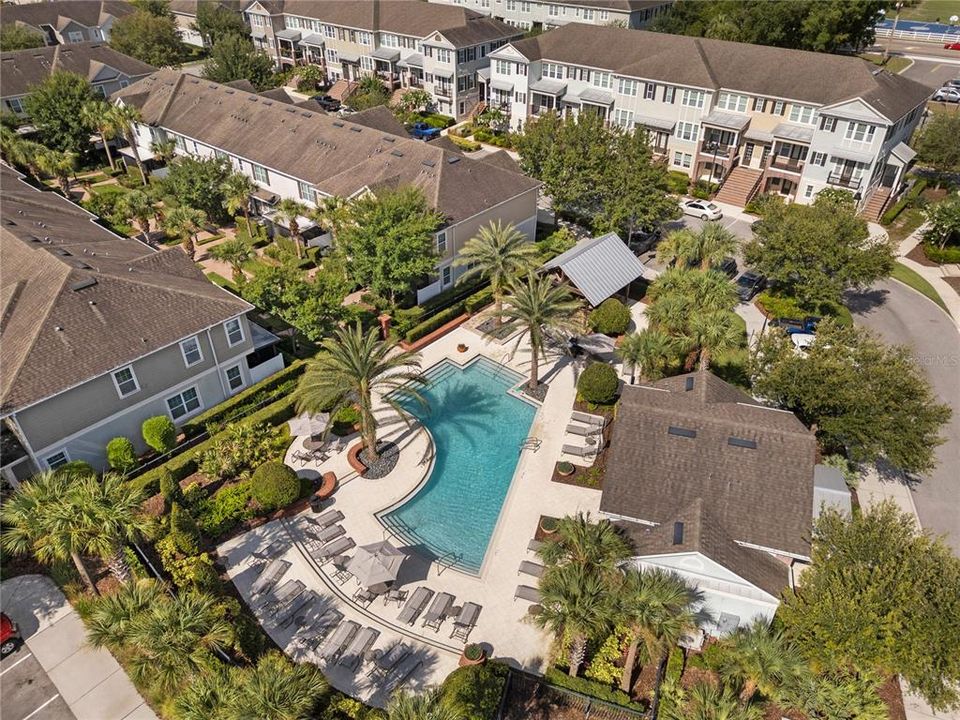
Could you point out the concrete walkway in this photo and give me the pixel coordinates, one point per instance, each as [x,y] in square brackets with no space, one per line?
[90,681]
[933,274]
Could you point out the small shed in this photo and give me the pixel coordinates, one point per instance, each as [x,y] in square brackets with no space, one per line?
[830,491]
[598,267]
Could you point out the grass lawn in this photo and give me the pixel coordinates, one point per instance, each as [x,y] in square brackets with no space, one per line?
[907,221]
[909,277]
[895,64]
[931,10]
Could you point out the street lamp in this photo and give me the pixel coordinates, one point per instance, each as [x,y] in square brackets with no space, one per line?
[893,33]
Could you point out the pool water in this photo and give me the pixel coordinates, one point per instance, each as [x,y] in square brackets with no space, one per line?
[477,429]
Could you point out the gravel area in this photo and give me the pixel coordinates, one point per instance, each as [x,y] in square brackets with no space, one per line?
[489,327]
[538,394]
[384,465]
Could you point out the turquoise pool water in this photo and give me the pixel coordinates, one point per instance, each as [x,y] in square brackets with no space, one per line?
[477,430]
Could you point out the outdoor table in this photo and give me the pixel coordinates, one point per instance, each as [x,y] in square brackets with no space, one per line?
[310,444]
[454,610]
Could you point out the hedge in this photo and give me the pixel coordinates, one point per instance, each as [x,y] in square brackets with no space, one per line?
[477,689]
[465,145]
[478,300]
[949,254]
[439,121]
[591,688]
[438,320]
[678,182]
[893,211]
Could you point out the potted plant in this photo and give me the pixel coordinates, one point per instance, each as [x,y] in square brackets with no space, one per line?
[473,654]
[549,525]
[462,348]
[565,468]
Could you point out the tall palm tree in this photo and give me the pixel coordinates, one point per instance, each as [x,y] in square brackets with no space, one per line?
[539,305]
[576,607]
[236,252]
[185,222]
[712,333]
[657,608]
[707,701]
[758,659]
[677,248]
[580,541]
[714,243]
[428,705]
[330,213]
[108,618]
[209,695]
[237,189]
[139,207]
[500,253]
[650,351]
[352,367]
[276,689]
[95,114]
[289,209]
[125,119]
[164,150]
[59,165]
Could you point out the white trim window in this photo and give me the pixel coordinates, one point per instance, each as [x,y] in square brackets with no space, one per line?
[441,242]
[329,31]
[860,132]
[803,114]
[58,459]
[332,55]
[819,159]
[553,71]
[75,37]
[185,402]
[601,79]
[669,94]
[234,378]
[732,101]
[649,91]
[260,174]
[15,104]
[808,191]
[504,67]
[687,131]
[682,159]
[125,380]
[627,87]
[829,124]
[446,276]
[234,330]
[192,354]
[759,104]
[778,107]
[623,118]
[693,98]
[306,192]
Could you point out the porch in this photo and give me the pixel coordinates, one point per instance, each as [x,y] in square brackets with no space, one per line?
[719,152]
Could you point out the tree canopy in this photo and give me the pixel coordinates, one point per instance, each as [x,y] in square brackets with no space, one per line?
[311,306]
[880,596]
[199,183]
[153,39]
[937,144]
[234,57]
[864,397]
[816,252]
[18,37]
[820,25]
[214,21]
[944,222]
[56,108]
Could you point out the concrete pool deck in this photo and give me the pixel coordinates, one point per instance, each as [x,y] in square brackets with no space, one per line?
[501,626]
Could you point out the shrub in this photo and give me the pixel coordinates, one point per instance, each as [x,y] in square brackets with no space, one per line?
[78,467]
[611,318]
[194,572]
[473,652]
[274,485]
[779,306]
[598,384]
[703,189]
[476,688]
[121,455]
[241,447]
[483,135]
[169,486]
[160,433]
[184,530]
[344,420]
[565,467]
[465,145]
[478,300]
[674,665]
[438,320]
[760,204]
[228,507]
[438,121]
[893,211]
[560,678]
[556,243]
[678,182]
[949,254]
[604,666]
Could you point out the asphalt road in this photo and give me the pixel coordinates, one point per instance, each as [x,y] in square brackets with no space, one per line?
[26,693]
[902,316]
[933,74]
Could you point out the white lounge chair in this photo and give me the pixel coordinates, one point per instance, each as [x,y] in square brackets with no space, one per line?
[338,639]
[438,611]
[579,451]
[388,661]
[589,419]
[353,655]
[466,621]
[525,592]
[583,430]
[415,605]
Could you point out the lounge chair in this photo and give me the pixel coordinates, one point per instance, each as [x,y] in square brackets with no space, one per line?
[415,605]
[530,568]
[287,593]
[583,430]
[269,576]
[332,549]
[407,668]
[289,615]
[534,545]
[525,592]
[579,451]
[466,621]
[327,534]
[364,597]
[326,519]
[353,655]
[438,611]
[589,419]
[386,662]
[338,639]
[303,457]
[321,627]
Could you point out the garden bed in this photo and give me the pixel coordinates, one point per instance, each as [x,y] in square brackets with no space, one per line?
[920,257]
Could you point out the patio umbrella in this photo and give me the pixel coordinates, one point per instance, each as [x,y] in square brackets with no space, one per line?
[306,424]
[376,564]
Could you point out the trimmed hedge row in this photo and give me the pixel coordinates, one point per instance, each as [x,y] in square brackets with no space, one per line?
[557,677]
[907,200]
[478,300]
[438,320]
[949,254]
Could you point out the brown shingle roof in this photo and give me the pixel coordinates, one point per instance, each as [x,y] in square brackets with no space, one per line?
[700,62]
[335,155]
[90,13]
[761,495]
[22,69]
[60,328]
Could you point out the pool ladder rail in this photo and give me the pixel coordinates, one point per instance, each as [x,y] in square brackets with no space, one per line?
[531,443]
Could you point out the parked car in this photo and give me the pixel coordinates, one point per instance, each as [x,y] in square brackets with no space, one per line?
[749,284]
[793,326]
[422,131]
[10,638]
[643,241]
[728,266]
[327,103]
[802,341]
[703,209]
[952,46]
[955,83]
[947,94]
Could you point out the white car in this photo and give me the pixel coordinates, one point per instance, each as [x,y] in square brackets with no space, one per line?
[703,209]
[947,94]
[802,341]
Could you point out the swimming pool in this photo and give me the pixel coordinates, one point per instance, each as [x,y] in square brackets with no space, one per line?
[477,429]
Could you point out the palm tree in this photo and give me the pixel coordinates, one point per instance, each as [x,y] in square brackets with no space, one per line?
[95,114]
[707,701]
[236,252]
[352,367]
[540,305]
[656,606]
[185,222]
[138,206]
[713,333]
[237,189]
[500,254]
[330,212]
[208,695]
[576,607]
[125,119]
[428,705]
[276,689]
[289,209]
[580,541]
[59,165]
[677,248]
[758,659]
[108,618]
[371,85]
[714,243]
[164,150]
[651,351]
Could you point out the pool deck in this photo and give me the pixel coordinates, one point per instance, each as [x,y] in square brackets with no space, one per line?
[501,627]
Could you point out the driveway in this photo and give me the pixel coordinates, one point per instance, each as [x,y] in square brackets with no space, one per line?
[903,316]
[56,675]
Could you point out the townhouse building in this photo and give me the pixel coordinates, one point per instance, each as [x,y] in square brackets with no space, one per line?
[185,15]
[104,68]
[543,15]
[68,21]
[291,151]
[406,43]
[101,332]
[752,118]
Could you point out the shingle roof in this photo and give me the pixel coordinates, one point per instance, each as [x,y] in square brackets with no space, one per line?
[712,64]
[335,155]
[762,495]
[23,69]
[598,267]
[90,13]
[704,533]
[78,301]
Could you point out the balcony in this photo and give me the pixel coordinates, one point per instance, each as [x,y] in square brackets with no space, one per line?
[785,164]
[443,90]
[722,153]
[844,181]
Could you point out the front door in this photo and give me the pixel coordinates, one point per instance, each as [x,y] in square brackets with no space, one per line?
[847,171]
[748,153]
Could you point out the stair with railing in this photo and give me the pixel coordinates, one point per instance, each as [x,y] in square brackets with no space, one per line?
[739,186]
[876,204]
[477,110]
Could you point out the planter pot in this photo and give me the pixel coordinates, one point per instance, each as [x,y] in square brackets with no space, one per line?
[465,661]
[564,472]
[548,526]
[462,348]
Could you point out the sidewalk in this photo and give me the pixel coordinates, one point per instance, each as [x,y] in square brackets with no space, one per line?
[90,681]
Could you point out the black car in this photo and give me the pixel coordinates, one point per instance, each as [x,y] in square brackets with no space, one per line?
[749,284]
[728,266]
[641,241]
[327,103]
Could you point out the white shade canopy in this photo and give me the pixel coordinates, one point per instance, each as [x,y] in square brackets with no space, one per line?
[376,564]
[307,424]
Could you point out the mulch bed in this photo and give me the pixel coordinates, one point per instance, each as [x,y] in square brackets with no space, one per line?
[538,394]
[953,282]
[590,477]
[540,534]
[384,465]
[489,327]
[920,257]
[892,697]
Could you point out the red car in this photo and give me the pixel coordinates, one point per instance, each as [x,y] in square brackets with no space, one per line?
[9,635]
[952,46]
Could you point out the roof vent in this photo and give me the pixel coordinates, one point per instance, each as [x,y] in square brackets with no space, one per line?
[681,432]
[389,139]
[355,129]
[453,159]
[268,102]
[688,385]
[338,124]
[678,533]
[83,284]
[396,153]
[251,98]
[194,81]
[290,110]
[428,163]
[742,443]
[228,92]
[306,114]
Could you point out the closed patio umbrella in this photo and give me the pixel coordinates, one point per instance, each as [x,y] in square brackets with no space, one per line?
[307,424]
[376,564]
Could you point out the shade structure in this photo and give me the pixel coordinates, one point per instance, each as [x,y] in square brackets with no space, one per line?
[307,424]
[376,564]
